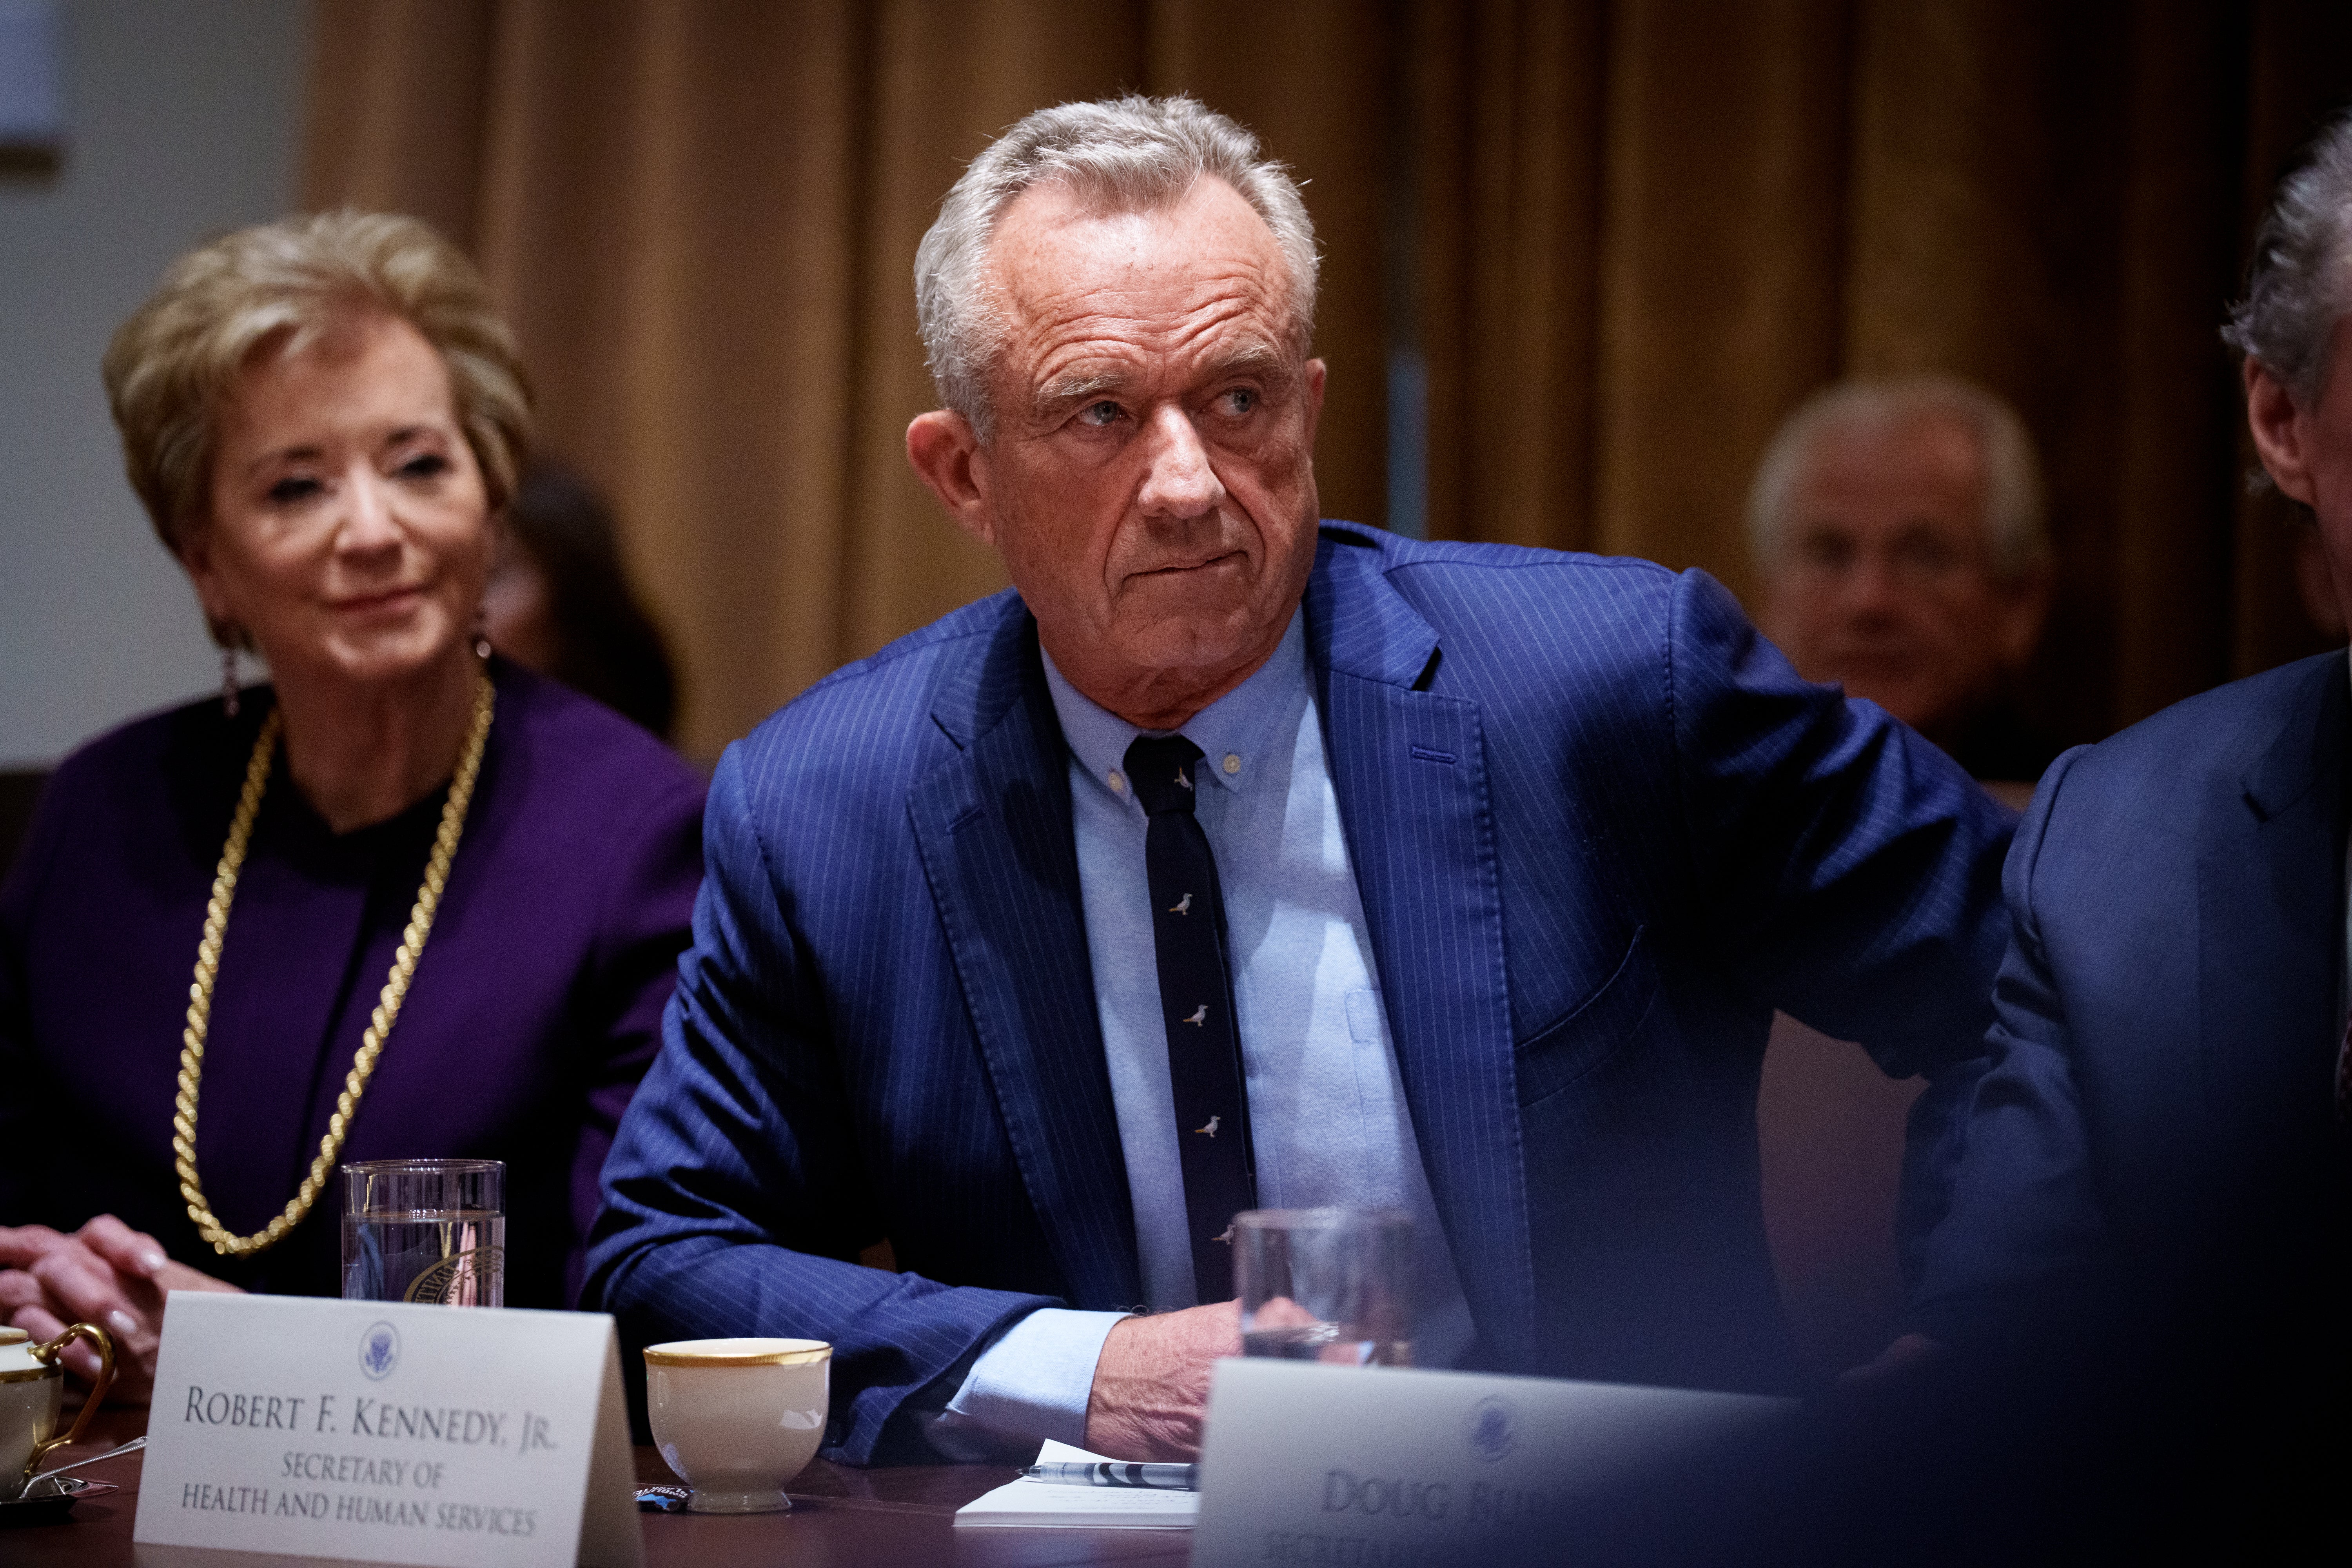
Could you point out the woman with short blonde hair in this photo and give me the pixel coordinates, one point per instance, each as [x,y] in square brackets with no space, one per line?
[180,353]
[407,900]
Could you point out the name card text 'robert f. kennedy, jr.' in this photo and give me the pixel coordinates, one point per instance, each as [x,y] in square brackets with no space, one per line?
[384,1432]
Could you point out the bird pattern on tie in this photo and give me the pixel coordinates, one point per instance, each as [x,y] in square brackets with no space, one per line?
[1207,1087]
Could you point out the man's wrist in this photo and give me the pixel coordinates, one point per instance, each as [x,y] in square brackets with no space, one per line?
[1034,1382]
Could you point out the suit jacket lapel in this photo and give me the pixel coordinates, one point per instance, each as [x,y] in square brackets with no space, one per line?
[993,828]
[1409,770]
[2271,946]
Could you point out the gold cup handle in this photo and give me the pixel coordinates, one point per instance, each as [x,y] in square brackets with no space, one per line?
[50,1353]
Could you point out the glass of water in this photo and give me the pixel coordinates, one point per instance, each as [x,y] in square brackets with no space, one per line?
[425,1230]
[1329,1285]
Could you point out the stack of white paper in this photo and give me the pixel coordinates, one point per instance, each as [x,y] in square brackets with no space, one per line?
[1044,1504]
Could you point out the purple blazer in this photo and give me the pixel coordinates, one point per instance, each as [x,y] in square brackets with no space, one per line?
[533,1012]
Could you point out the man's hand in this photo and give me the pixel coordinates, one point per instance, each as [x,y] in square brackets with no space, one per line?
[106,1273]
[1152,1382]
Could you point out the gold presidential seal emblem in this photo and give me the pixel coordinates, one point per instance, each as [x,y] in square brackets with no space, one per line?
[459,1280]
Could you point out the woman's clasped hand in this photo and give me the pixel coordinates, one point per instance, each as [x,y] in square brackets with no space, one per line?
[105,1273]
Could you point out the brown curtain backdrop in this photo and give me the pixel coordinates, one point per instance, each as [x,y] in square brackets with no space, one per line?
[1615,242]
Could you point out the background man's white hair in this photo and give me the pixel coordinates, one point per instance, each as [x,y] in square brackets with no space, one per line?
[1131,154]
[2016,537]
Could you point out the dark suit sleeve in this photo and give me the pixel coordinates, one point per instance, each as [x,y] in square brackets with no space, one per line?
[734,1196]
[645,922]
[2020,1244]
[21,1143]
[1847,871]
[25,1138]
[1850,871]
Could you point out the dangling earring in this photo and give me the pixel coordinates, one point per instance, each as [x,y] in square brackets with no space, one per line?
[482,633]
[228,683]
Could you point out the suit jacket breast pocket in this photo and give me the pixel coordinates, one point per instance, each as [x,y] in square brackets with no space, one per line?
[1594,1031]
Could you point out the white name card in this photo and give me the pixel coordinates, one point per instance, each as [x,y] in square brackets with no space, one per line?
[1364,1466]
[383,1432]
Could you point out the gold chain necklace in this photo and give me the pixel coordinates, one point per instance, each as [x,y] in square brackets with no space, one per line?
[387,1008]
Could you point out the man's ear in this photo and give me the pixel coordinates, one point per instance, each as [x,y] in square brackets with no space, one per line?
[2281,432]
[946,454]
[1317,373]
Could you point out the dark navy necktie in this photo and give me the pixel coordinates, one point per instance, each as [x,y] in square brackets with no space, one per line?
[1196,1002]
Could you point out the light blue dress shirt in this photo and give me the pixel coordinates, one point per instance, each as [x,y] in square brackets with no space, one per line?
[1328,1111]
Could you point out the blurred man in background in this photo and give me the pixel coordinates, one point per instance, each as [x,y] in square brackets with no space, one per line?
[1899,527]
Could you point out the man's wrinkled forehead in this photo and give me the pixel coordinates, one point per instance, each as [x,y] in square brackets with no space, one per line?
[1055,264]
[1913,437]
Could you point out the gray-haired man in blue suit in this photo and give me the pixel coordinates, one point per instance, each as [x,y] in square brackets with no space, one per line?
[1235,859]
[2149,1234]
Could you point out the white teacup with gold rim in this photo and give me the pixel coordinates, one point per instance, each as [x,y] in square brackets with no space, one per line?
[737,1418]
[32,1396]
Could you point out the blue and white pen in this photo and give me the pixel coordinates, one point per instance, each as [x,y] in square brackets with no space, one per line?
[1108,1473]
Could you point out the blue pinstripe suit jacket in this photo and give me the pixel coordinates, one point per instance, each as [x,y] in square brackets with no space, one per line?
[1600,829]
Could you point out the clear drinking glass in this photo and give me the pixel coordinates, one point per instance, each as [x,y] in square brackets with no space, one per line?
[1327,1285]
[425,1230]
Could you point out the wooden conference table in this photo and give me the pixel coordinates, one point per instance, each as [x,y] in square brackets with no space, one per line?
[840,1518]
